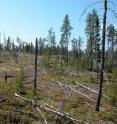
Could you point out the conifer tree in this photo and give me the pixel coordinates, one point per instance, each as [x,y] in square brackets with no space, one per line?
[93,37]
[65,37]
[51,40]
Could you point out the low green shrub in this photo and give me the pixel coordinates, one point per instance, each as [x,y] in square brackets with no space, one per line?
[20,80]
[113,93]
[93,79]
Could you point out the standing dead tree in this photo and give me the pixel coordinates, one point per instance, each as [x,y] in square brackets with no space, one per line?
[35,76]
[103,57]
[103,46]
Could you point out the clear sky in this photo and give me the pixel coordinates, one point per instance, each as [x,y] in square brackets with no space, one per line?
[29,19]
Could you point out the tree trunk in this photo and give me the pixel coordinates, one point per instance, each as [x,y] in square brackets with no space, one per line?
[91,65]
[5,77]
[97,70]
[91,59]
[103,56]
[61,56]
[67,55]
[74,58]
[35,77]
[78,58]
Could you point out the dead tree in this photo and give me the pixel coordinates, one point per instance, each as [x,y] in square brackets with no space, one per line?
[5,77]
[103,57]
[35,75]
[49,108]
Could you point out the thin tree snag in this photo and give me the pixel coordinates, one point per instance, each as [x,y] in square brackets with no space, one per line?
[75,91]
[42,115]
[49,109]
[103,56]
[5,77]
[35,75]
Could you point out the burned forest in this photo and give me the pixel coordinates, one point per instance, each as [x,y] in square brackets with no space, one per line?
[64,76]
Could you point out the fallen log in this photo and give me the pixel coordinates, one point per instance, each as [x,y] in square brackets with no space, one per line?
[75,91]
[42,115]
[92,90]
[81,85]
[55,111]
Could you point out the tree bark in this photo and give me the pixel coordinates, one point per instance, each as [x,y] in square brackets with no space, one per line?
[36,54]
[49,108]
[103,57]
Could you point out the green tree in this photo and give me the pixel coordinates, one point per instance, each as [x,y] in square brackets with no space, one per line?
[74,50]
[79,51]
[111,41]
[20,44]
[97,44]
[31,48]
[8,44]
[65,37]
[93,37]
[41,44]
[111,36]
[20,80]
[52,40]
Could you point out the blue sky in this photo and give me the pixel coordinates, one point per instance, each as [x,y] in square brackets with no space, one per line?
[29,19]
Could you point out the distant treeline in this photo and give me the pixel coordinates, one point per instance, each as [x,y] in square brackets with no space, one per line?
[88,58]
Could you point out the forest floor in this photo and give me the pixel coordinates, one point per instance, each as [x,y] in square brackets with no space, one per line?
[62,89]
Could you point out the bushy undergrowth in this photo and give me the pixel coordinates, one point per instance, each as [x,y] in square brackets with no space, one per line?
[114,72]
[113,93]
[20,80]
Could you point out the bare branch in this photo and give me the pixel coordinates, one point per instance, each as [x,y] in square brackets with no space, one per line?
[49,109]
[93,5]
[86,96]
[42,115]
[113,11]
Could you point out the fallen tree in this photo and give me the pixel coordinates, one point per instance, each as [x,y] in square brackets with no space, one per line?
[86,96]
[81,85]
[50,108]
[92,90]
[45,121]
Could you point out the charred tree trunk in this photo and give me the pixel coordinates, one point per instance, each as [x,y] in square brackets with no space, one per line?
[5,77]
[35,76]
[103,56]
